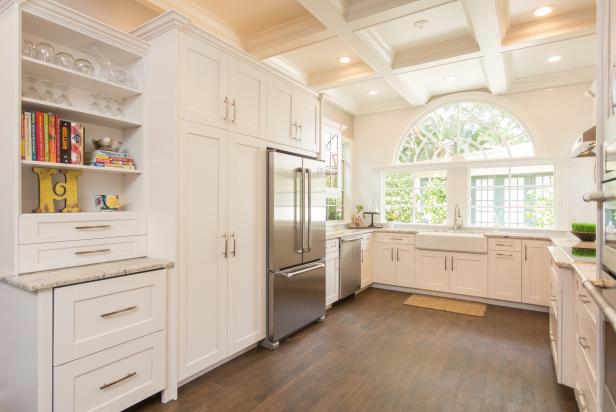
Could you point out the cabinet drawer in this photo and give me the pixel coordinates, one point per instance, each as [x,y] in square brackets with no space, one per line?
[61,227]
[44,256]
[395,238]
[113,379]
[93,316]
[331,246]
[586,340]
[513,245]
[585,301]
[584,387]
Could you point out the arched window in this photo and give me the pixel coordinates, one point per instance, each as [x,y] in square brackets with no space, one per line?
[466,130]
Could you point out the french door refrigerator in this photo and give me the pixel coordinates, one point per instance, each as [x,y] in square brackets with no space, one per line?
[296,244]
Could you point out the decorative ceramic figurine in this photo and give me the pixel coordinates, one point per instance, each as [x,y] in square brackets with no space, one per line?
[106,203]
[357,219]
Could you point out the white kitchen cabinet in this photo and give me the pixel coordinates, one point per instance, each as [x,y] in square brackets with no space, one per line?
[432,270]
[505,275]
[535,272]
[367,269]
[385,264]
[222,278]
[405,266]
[247,89]
[332,279]
[468,274]
[307,117]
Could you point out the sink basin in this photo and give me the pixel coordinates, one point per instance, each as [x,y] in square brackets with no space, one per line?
[452,242]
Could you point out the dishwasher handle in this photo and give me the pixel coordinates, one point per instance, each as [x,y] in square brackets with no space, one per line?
[350,239]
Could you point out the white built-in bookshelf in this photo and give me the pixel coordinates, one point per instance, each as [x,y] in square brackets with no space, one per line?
[67,31]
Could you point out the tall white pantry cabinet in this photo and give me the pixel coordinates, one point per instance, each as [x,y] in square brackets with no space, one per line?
[208,141]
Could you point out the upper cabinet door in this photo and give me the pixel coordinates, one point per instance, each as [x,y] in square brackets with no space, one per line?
[246,247]
[535,272]
[307,118]
[248,101]
[281,113]
[204,83]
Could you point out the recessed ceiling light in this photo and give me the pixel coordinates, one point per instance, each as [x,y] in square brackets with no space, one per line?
[554,59]
[420,24]
[542,11]
[373,92]
[450,78]
[550,90]
[344,59]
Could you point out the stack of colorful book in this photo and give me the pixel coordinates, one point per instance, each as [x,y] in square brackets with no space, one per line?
[108,158]
[47,138]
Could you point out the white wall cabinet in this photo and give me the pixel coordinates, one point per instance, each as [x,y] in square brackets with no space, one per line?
[432,270]
[505,275]
[469,274]
[535,272]
[221,246]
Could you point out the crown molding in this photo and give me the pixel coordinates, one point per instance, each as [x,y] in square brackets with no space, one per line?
[339,76]
[5,4]
[449,51]
[169,20]
[81,23]
[285,66]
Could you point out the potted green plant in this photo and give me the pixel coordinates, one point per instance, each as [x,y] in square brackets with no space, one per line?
[357,219]
[586,232]
[390,217]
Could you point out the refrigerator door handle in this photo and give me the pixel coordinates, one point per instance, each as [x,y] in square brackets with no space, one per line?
[309,193]
[299,175]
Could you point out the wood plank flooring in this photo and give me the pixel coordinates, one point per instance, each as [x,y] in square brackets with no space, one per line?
[374,353]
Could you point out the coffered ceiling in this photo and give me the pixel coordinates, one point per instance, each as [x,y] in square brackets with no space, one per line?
[371,55]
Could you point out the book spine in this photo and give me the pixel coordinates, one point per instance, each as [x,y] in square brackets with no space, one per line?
[46,136]
[65,146]
[77,143]
[33,134]
[52,138]
[58,140]
[22,137]
[40,138]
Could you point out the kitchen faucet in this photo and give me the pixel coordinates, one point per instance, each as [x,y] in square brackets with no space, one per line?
[458,221]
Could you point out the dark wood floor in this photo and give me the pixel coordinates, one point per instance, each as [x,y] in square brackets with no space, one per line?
[375,354]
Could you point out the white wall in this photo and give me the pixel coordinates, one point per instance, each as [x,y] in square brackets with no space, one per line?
[554,118]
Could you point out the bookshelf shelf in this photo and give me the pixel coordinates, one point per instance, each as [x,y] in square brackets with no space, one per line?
[85,168]
[76,115]
[43,70]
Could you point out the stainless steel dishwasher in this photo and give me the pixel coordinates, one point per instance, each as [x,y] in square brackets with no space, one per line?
[350,265]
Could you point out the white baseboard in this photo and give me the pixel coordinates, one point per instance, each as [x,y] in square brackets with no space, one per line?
[496,302]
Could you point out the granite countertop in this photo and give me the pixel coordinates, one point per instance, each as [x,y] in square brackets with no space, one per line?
[47,279]
[584,269]
[335,234]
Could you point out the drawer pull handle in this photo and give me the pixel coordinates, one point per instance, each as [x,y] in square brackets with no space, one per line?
[94,227]
[504,254]
[90,252]
[110,384]
[581,340]
[117,312]
[504,244]
[396,238]
[583,298]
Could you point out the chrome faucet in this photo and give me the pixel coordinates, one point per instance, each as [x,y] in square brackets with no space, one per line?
[458,221]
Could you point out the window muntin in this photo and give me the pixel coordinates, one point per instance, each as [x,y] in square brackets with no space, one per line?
[521,196]
[416,197]
[465,131]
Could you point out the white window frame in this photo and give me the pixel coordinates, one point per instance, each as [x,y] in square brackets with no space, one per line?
[328,126]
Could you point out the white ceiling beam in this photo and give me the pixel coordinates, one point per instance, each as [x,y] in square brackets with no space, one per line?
[546,81]
[340,76]
[361,14]
[286,37]
[450,51]
[565,26]
[331,17]
[485,20]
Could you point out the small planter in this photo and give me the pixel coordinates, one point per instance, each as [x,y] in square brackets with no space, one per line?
[585,236]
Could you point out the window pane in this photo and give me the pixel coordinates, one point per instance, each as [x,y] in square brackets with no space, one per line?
[419,197]
[521,196]
[334,208]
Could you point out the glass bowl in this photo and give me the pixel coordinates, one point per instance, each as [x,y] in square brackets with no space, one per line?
[65,60]
[27,49]
[84,66]
[45,52]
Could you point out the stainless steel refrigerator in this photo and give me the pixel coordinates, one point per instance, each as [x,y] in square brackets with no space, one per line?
[296,244]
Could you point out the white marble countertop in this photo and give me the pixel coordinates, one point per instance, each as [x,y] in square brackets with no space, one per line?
[584,269]
[47,279]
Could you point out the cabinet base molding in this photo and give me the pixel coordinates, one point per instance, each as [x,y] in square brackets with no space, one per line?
[488,301]
[217,364]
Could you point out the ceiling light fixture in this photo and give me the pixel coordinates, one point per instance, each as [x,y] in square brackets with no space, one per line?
[420,24]
[344,59]
[542,11]
[554,59]
[373,92]
[450,78]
